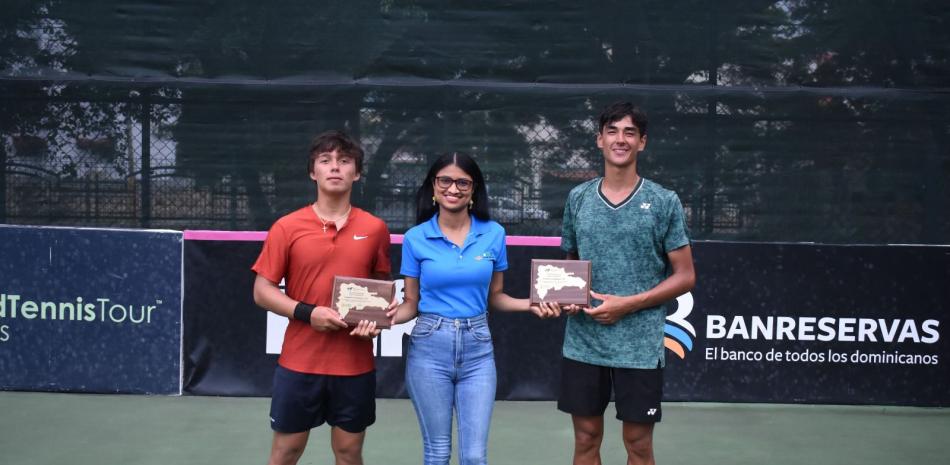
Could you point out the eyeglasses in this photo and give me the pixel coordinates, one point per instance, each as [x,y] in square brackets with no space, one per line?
[445,182]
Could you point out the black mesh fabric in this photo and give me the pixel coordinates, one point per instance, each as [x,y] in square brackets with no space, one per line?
[774,120]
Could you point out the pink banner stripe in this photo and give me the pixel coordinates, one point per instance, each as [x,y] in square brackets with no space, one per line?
[540,241]
[193,235]
[199,235]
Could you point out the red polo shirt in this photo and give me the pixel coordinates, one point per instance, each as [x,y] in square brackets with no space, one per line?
[299,251]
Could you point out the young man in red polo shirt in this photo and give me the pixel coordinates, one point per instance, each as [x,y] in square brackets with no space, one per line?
[326,371]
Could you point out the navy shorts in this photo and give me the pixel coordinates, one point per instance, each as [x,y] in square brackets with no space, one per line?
[302,401]
[585,391]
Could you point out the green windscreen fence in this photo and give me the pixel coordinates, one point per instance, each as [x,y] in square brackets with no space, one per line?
[773,120]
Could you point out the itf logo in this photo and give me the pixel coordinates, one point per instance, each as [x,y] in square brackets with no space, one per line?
[679,333]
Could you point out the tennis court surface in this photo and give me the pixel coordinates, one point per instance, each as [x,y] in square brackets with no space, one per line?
[81,429]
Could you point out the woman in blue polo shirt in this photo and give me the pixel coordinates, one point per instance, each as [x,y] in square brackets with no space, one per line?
[452,261]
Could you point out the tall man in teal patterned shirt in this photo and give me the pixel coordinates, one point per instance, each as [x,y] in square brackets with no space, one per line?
[634,233]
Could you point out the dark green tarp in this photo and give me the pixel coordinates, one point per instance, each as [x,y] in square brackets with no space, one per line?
[774,120]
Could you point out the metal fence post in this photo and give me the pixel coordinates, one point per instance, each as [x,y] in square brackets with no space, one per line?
[232,198]
[3,181]
[708,191]
[146,160]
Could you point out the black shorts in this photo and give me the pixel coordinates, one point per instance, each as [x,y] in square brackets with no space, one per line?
[302,401]
[585,391]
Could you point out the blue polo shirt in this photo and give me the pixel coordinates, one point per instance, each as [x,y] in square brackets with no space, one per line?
[453,281]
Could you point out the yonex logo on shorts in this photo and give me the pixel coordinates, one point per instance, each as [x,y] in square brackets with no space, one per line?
[651,412]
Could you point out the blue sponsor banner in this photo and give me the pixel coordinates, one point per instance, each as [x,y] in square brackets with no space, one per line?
[90,310]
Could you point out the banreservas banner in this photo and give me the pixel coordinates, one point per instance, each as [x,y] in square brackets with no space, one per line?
[785,323]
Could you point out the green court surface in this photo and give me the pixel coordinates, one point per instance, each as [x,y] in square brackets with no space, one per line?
[80,429]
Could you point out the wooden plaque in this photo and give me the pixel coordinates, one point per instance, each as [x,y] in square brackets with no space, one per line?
[561,281]
[362,299]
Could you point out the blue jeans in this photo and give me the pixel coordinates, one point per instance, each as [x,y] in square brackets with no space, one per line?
[451,366]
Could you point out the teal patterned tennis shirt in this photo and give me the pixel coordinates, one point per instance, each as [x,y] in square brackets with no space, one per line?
[627,245]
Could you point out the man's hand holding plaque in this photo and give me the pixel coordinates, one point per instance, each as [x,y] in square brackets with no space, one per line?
[566,282]
[361,299]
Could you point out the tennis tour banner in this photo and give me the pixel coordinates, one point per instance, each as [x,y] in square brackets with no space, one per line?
[90,310]
[766,323]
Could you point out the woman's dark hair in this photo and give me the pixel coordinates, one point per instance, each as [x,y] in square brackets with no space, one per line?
[425,208]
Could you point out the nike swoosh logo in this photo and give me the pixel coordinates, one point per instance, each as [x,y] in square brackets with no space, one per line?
[359,238]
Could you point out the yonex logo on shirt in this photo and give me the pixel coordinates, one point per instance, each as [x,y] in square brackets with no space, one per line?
[651,412]
[645,205]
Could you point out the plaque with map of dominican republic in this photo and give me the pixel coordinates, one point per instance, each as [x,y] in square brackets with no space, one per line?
[362,299]
[561,281]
